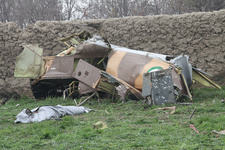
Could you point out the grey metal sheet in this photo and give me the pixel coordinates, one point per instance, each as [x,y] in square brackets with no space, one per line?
[182,61]
[146,86]
[84,89]
[162,87]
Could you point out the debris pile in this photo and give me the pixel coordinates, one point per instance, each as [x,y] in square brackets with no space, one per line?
[95,65]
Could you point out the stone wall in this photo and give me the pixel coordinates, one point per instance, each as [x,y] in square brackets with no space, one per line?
[199,35]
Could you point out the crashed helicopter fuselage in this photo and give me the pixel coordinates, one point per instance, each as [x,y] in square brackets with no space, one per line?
[96,65]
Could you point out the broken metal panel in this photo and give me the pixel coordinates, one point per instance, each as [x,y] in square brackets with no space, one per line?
[130,67]
[108,84]
[202,72]
[107,87]
[162,87]
[87,73]
[71,40]
[66,52]
[147,85]
[59,68]
[177,81]
[182,61]
[159,85]
[85,89]
[133,90]
[186,87]
[91,50]
[113,87]
[200,77]
[122,91]
[29,63]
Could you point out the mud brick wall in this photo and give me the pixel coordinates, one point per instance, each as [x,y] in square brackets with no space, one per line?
[199,35]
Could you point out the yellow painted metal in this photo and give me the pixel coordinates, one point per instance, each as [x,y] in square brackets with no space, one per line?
[114,62]
[198,76]
[71,44]
[66,44]
[66,52]
[72,87]
[106,86]
[186,86]
[101,60]
[29,64]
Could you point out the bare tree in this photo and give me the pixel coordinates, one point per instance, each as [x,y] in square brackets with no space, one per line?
[30,11]
[74,9]
[6,7]
[24,12]
[207,5]
[121,8]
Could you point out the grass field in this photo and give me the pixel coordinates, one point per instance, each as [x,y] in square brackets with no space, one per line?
[130,125]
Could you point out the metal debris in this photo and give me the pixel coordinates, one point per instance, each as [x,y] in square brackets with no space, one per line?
[95,65]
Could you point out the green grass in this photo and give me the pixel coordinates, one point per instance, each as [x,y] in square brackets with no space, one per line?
[130,125]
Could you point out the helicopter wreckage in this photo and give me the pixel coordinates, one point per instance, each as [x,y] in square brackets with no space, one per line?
[96,66]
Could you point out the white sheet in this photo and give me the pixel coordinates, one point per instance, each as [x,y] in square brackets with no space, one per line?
[48,112]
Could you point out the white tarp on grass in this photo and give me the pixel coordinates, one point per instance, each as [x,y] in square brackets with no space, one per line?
[48,112]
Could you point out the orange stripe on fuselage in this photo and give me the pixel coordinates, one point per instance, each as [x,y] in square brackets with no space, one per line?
[152,63]
[114,62]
